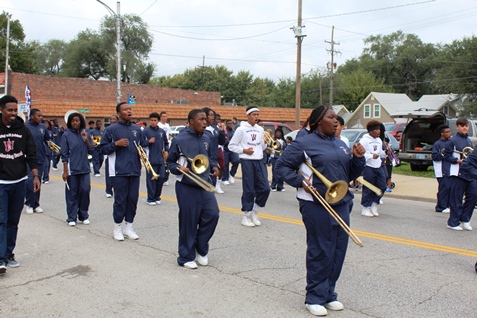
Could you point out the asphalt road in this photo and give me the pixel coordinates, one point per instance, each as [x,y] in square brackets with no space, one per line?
[411,264]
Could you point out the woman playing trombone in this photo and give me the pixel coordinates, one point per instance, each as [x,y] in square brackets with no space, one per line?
[326,240]
[198,208]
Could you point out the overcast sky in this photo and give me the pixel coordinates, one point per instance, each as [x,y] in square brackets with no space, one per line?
[252,35]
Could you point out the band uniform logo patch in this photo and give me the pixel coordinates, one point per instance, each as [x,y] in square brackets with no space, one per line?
[345,150]
[375,147]
[134,133]
[9,145]
[254,137]
[42,131]
[206,145]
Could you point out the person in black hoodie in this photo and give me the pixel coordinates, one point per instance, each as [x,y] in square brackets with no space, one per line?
[17,149]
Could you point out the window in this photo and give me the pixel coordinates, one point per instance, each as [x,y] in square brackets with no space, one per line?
[377,111]
[446,110]
[367,111]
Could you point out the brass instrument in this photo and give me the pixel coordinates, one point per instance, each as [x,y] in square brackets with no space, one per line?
[332,212]
[275,144]
[145,161]
[165,159]
[271,150]
[96,140]
[465,152]
[370,186]
[336,190]
[392,156]
[199,164]
[54,147]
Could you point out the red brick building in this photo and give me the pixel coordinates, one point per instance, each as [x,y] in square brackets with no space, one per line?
[56,95]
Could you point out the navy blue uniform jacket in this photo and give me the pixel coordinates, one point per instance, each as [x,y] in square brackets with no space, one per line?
[123,161]
[190,144]
[40,135]
[75,151]
[329,155]
[154,150]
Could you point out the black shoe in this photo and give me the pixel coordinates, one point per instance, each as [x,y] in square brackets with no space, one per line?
[476,267]
[3,267]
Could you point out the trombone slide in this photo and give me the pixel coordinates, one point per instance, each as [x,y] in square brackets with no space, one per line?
[198,180]
[334,214]
[370,186]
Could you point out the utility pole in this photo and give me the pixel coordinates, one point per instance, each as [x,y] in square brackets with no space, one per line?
[299,34]
[6,54]
[321,92]
[117,15]
[332,65]
[203,66]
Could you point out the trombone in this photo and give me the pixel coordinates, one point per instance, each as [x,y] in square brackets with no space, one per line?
[145,161]
[465,152]
[331,211]
[96,140]
[275,144]
[199,165]
[54,147]
[336,190]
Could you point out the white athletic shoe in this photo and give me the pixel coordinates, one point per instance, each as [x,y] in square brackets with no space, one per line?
[72,223]
[455,228]
[191,265]
[374,209]
[466,226]
[367,212]
[202,260]
[247,221]
[446,210]
[334,305]
[317,310]
[225,182]
[129,231]
[152,203]
[109,195]
[166,183]
[231,180]
[255,219]
[29,210]
[38,210]
[86,222]
[158,202]
[118,233]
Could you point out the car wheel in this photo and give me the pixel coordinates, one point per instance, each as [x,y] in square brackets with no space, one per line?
[415,167]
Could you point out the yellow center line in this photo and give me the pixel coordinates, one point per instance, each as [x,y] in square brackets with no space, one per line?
[375,236]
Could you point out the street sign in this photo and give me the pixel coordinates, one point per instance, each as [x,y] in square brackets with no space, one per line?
[86,111]
[23,108]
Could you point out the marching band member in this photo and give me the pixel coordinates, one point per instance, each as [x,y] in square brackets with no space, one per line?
[156,151]
[124,169]
[326,240]
[76,144]
[57,133]
[212,131]
[17,151]
[109,184]
[50,155]
[198,209]
[248,142]
[41,136]
[97,156]
[165,126]
[228,176]
[277,182]
[441,169]
[461,185]
[373,172]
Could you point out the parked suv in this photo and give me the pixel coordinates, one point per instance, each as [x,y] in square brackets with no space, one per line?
[421,133]
[274,125]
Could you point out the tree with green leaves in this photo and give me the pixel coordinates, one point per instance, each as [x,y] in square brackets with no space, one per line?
[136,44]
[50,56]
[21,54]
[458,73]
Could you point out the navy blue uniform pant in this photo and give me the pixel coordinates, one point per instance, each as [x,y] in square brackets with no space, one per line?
[230,158]
[254,184]
[326,249]
[97,160]
[198,218]
[12,197]
[277,182]
[126,195]
[107,178]
[459,212]
[154,187]
[443,193]
[46,170]
[377,176]
[32,198]
[77,197]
